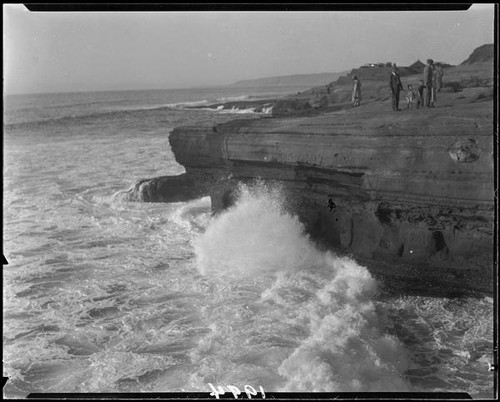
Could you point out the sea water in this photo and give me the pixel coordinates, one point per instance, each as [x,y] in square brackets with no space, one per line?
[106,295]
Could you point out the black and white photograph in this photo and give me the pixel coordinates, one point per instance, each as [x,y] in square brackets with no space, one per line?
[241,202]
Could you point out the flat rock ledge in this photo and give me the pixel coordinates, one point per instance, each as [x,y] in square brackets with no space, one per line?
[408,194]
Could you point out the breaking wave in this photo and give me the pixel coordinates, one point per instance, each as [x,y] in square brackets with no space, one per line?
[183,105]
[344,347]
[233,98]
[252,110]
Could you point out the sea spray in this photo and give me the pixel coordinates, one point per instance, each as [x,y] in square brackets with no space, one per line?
[326,331]
[346,350]
[254,236]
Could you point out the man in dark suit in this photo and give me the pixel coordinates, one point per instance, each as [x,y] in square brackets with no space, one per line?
[396,88]
[439,77]
[428,82]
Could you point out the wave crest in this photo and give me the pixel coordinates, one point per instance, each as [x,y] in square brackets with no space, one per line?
[345,348]
[255,236]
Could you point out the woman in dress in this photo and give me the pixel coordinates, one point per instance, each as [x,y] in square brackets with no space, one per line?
[356,91]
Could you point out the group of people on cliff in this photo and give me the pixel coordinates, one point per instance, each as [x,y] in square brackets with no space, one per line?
[425,95]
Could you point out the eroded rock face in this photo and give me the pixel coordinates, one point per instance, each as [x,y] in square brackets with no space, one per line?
[464,151]
[410,194]
[179,188]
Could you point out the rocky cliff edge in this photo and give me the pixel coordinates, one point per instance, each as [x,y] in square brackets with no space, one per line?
[409,194]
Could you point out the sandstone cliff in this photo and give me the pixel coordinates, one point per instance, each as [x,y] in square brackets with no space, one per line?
[409,194]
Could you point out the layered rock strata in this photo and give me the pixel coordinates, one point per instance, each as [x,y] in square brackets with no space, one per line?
[410,194]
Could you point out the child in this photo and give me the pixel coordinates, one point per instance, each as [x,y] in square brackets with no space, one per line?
[420,94]
[410,97]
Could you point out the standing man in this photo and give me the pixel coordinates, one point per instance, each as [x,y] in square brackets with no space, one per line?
[396,88]
[439,77]
[420,94]
[428,82]
[434,85]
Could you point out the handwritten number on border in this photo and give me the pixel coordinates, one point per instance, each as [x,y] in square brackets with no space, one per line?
[249,391]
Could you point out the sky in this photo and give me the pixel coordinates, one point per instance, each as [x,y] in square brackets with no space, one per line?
[92,51]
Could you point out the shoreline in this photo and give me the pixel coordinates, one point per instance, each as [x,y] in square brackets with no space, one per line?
[413,190]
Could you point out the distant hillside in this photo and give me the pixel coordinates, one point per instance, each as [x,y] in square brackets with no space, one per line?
[302,80]
[475,75]
[480,54]
[333,91]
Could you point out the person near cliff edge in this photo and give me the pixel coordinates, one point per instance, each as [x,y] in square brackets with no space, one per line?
[439,77]
[429,101]
[434,86]
[420,94]
[410,97]
[396,88]
[356,91]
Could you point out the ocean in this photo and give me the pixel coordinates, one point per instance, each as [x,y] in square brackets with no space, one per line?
[102,294]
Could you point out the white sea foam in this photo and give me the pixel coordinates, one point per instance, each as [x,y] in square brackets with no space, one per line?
[104,294]
[255,236]
[233,98]
[182,105]
[252,110]
[267,110]
[345,349]
[235,110]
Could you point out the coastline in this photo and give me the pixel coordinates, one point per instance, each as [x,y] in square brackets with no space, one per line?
[412,191]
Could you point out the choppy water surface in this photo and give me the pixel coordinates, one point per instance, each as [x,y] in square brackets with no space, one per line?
[103,295]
